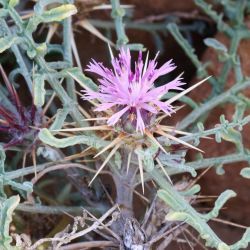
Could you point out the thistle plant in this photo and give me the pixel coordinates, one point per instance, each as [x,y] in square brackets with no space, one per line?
[100,152]
[18,122]
[134,104]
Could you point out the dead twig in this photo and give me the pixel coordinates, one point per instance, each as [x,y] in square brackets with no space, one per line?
[89,245]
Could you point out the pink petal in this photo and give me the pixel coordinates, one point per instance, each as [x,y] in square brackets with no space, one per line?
[114,118]
[139,124]
[166,108]
[100,70]
[148,108]
[163,70]
[90,95]
[104,106]
[156,93]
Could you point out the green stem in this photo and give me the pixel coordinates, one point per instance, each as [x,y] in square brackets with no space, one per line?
[212,103]
[117,15]
[19,59]
[214,161]
[235,39]
[67,40]
[214,130]
[189,51]
[150,27]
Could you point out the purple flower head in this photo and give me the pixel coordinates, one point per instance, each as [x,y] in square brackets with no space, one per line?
[129,91]
[16,120]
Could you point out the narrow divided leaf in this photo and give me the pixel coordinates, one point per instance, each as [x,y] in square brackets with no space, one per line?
[13,3]
[6,42]
[84,81]
[39,90]
[215,44]
[245,172]
[46,137]
[6,211]
[59,13]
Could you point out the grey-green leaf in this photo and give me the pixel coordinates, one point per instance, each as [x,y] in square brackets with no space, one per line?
[13,3]
[6,42]
[39,90]
[219,203]
[6,210]
[59,13]
[245,172]
[46,137]
[84,81]
[215,44]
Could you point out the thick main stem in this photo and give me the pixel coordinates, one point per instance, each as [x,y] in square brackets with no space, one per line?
[124,196]
[126,226]
[124,183]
